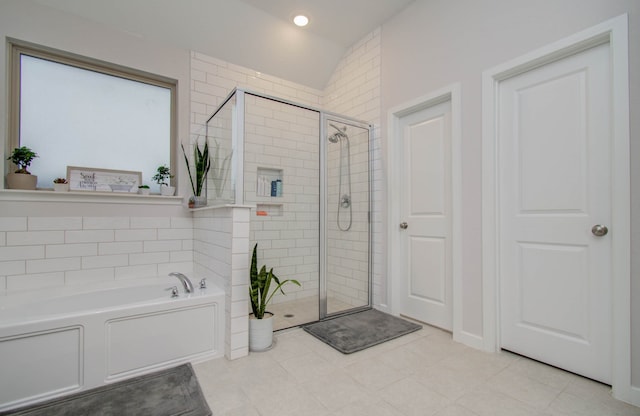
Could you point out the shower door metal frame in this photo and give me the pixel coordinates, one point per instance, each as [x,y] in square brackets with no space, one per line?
[238,133]
[324,118]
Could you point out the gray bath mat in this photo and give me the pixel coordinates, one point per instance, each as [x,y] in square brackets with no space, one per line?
[355,332]
[169,392]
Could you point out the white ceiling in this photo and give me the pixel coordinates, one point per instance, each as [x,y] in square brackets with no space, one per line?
[257,34]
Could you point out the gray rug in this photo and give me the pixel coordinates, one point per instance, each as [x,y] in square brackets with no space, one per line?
[355,332]
[170,392]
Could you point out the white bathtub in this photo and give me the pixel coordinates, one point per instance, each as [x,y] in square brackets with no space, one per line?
[64,341]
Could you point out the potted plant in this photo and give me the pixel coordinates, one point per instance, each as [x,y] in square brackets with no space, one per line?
[162,176]
[144,189]
[261,321]
[60,185]
[202,164]
[22,178]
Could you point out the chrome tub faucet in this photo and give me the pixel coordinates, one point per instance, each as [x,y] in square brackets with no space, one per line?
[188,287]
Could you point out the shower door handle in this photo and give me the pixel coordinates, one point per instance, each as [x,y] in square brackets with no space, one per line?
[404,225]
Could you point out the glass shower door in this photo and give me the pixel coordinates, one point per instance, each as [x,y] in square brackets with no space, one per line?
[347,284]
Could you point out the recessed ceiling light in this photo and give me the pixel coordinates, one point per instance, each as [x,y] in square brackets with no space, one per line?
[301,20]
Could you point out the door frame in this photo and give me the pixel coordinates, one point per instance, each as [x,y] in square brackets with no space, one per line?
[395,181]
[614,33]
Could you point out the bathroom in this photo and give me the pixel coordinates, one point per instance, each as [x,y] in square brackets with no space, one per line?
[77,241]
[370,69]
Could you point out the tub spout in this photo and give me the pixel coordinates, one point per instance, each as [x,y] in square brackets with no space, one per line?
[188,287]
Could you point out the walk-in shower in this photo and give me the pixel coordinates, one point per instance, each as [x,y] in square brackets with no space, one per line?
[306,175]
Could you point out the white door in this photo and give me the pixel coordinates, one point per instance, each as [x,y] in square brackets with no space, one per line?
[426,283]
[554,168]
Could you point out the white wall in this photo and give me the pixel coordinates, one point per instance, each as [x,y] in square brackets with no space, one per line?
[434,43]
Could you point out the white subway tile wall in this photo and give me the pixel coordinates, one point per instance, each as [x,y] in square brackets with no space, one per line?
[221,239]
[39,252]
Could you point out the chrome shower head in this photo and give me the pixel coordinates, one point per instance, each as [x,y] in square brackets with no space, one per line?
[340,133]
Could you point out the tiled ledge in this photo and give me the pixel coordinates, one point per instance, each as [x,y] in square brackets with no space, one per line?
[221,206]
[15,195]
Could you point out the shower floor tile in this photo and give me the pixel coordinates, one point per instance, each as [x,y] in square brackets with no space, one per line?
[298,312]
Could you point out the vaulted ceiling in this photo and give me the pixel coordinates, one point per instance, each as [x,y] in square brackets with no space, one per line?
[257,34]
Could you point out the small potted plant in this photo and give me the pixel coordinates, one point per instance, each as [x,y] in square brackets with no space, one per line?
[162,176]
[22,178]
[261,321]
[60,185]
[144,189]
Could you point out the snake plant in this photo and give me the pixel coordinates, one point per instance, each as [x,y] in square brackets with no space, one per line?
[202,164]
[260,283]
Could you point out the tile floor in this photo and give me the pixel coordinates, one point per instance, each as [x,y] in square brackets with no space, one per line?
[423,373]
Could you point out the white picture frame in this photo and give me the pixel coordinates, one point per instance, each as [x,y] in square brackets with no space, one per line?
[103,180]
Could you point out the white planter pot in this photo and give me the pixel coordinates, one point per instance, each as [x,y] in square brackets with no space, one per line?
[260,332]
[61,187]
[197,201]
[167,190]
[144,191]
[21,181]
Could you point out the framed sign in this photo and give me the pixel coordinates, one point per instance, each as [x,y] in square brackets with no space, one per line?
[103,180]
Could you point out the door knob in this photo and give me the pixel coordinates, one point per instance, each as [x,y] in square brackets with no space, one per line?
[404,225]
[599,230]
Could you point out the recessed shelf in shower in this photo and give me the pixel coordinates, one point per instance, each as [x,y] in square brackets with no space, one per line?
[269,182]
[267,210]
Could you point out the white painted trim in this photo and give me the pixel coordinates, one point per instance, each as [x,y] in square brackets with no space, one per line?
[450,93]
[613,32]
[88,197]
[468,339]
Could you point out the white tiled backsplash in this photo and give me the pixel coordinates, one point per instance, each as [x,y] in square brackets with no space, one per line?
[39,252]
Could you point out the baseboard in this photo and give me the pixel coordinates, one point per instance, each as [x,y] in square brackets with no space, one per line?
[469,339]
[634,396]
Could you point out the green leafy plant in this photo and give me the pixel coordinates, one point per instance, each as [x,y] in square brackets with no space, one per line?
[162,175]
[202,164]
[260,283]
[143,187]
[60,180]
[22,157]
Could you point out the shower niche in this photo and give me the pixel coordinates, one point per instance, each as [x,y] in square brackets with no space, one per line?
[305,174]
[269,182]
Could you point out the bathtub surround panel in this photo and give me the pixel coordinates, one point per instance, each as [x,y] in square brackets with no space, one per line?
[62,373]
[57,251]
[128,349]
